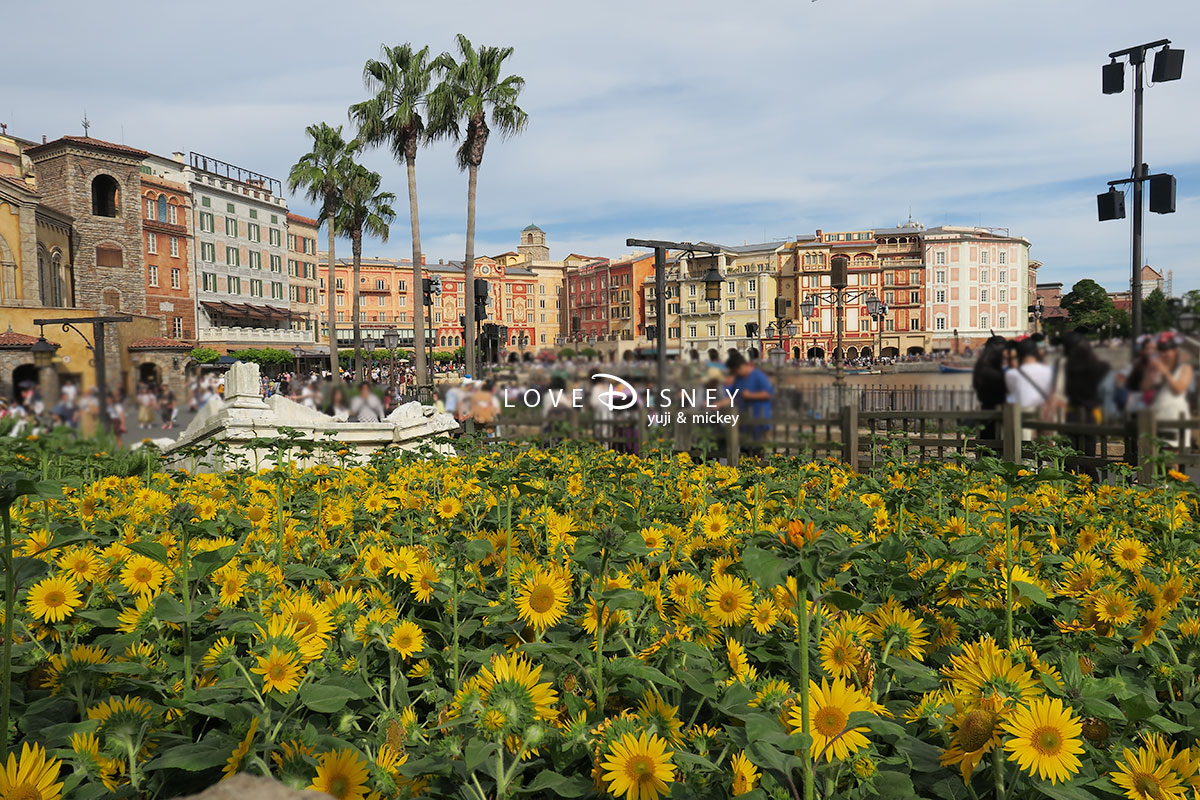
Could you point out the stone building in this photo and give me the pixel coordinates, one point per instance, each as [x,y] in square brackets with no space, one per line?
[36,250]
[302,277]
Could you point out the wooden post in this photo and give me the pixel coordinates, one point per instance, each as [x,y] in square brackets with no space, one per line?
[734,450]
[1147,445]
[1010,433]
[850,435]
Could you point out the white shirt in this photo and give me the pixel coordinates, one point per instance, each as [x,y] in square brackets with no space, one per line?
[1025,381]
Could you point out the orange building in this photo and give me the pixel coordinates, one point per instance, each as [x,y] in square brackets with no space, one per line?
[165,236]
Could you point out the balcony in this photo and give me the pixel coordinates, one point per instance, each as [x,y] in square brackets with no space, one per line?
[898,248]
[240,335]
[901,262]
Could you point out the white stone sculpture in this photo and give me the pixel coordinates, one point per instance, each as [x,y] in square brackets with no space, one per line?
[229,426]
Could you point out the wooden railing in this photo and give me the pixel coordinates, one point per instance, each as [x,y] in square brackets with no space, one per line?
[864,438]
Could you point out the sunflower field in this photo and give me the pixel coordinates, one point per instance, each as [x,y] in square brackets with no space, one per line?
[577,623]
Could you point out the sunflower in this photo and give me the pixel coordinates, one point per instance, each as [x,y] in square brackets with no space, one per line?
[143,575]
[654,711]
[509,684]
[1045,739]
[682,587]
[341,774]
[422,580]
[1145,776]
[542,601]
[231,585]
[311,618]
[82,563]
[638,767]
[976,735]
[53,599]
[32,777]
[448,507]
[763,616]
[407,639]
[893,623]
[729,599]
[745,774]
[841,654]
[1113,607]
[241,751]
[1129,554]
[280,671]
[830,706]
[127,715]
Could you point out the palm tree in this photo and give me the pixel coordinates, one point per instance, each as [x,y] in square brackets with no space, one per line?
[472,88]
[322,172]
[364,210]
[400,79]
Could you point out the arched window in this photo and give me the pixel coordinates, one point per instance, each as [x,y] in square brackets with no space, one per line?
[162,208]
[44,277]
[57,284]
[106,196]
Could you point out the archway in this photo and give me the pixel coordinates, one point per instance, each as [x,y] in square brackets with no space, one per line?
[527,357]
[714,354]
[891,352]
[149,374]
[796,353]
[916,350]
[731,352]
[837,353]
[628,356]
[513,358]
[24,377]
[816,352]
[865,352]
[752,354]
[851,353]
[106,196]
[694,355]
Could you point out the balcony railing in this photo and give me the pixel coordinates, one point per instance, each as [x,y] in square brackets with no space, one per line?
[231,333]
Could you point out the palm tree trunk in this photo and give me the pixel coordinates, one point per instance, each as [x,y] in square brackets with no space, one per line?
[356,247]
[335,371]
[415,294]
[469,272]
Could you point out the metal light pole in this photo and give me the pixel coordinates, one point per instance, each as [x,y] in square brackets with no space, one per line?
[97,348]
[1168,66]
[391,338]
[660,249]
[839,281]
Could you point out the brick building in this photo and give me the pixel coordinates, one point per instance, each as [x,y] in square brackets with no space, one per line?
[304,288]
[166,242]
[587,303]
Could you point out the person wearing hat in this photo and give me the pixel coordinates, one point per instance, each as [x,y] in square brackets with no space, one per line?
[1170,376]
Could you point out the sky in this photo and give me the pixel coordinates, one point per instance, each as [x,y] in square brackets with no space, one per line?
[715,121]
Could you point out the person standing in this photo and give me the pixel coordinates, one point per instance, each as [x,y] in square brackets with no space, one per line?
[753,396]
[987,379]
[366,406]
[1170,376]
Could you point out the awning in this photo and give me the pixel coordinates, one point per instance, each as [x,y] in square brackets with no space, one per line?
[250,310]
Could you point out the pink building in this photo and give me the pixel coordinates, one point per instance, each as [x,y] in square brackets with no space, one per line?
[977,284]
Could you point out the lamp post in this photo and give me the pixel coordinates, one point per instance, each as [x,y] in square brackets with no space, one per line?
[96,346]
[877,309]
[1187,322]
[1168,66]
[660,249]
[369,344]
[391,337]
[43,359]
[838,266]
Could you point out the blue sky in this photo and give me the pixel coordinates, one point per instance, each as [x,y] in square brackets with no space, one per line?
[728,122]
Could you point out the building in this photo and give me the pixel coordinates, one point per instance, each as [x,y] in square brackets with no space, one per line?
[748,296]
[239,220]
[976,285]
[551,313]
[627,305]
[166,250]
[36,247]
[303,283]
[649,346]
[902,265]
[811,280]
[587,304]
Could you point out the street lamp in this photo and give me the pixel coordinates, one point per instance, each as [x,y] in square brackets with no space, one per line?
[877,310]
[1168,66]
[391,338]
[97,348]
[43,353]
[1187,322]
[839,280]
[369,344]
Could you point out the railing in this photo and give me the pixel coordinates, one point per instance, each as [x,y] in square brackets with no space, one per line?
[232,333]
[865,438]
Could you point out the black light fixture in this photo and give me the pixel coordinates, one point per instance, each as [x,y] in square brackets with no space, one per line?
[807,308]
[1114,77]
[838,266]
[751,330]
[1187,322]
[43,353]
[874,306]
[391,338]
[712,283]
[1162,193]
[1168,65]
[791,329]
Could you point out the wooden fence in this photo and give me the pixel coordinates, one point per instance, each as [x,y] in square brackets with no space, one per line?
[865,438]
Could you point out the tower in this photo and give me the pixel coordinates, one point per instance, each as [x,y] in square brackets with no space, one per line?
[533,244]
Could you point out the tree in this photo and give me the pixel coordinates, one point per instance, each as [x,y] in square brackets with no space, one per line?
[205,355]
[322,172]
[400,79]
[1157,314]
[364,210]
[1089,305]
[471,89]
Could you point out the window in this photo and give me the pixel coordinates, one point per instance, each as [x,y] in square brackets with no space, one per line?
[939,257]
[233,257]
[173,215]
[1004,295]
[983,321]
[229,207]
[914,297]
[864,323]
[253,232]
[1003,275]
[1003,321]
[256,287]
[815,326]
[752,285]
[1003,259]
[914,323]
[231,226]
[939,323]
[208,252]
[730,286]
[206,221]
[162,208]
[939,276]
[208,281]
[692,331]
[254,213]
[149,208]
[732,304]
[276,263]
[174,245]
[691,290]
[338,284]
[152,243]
[255,259]
[983,256]
[732,329]
[273,236]
[983,295]
[712,330]
[380,300]
[939,296]
[109,256]
[153,272]
[175,278]
[341,300]
[235,285]
[984,275]
[206,202]
[712,306]
[106,196]
[177,328]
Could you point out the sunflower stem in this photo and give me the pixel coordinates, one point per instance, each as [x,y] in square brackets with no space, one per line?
[806,762]
[998,772]
[1008,567]
[10,591]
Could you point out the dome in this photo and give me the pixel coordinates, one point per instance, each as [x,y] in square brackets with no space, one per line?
[532,228]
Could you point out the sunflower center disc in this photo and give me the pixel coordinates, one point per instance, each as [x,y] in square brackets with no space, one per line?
[541,599]
[1047,740]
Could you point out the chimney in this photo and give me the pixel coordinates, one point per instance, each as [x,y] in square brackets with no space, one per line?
[177,156]
[819,235]
[440,261]
[43,138]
